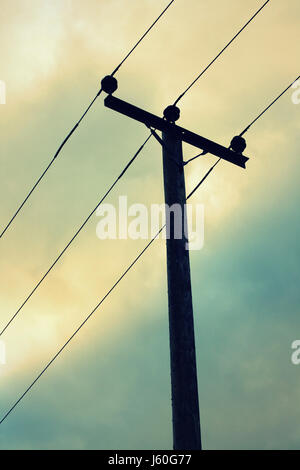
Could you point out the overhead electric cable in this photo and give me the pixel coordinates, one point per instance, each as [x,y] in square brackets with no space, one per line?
[74,237]
[92,313]
[79,328]
[113,287]
[219,54]
[77,124]
[268,107]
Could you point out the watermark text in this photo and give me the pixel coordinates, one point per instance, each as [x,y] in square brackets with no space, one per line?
[2,92]
[296,93]
[139,222]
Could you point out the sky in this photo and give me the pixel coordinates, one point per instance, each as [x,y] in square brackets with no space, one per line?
[110,389]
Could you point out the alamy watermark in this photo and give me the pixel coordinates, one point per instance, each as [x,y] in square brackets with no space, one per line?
[138,222]
[2,353]
[2,92]
[2,101]
[296,94]
[295,357]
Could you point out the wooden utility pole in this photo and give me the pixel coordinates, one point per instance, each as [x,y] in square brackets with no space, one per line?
[185,403]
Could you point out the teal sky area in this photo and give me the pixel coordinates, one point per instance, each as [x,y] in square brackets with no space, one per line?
[110,389]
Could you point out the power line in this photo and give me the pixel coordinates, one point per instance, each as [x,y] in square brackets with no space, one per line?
[125,272]
[220,53]
[81,326]
[253,122]
[82,117]
[49,165]
[267,108]
[74,236]
[125,169]
[152,133]
[96,308]
[241,134]
[141,39]
[85,222]
[132,264]
[204,178]
[93,311]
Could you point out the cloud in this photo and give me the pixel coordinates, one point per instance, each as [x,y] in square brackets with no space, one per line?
[245,289]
